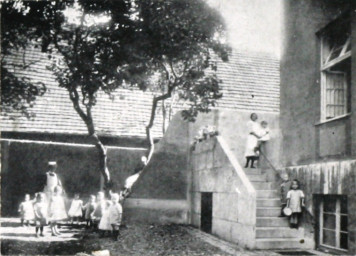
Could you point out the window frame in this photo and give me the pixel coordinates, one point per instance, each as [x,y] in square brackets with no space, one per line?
[326,64]
[337,230]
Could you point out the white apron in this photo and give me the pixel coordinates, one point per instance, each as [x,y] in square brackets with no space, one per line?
[252,140]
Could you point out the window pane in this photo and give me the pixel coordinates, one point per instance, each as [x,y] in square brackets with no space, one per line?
[329,204]
[329,237]
[329,221]
[343,204]
[343,241]
[336,52]
[343,224]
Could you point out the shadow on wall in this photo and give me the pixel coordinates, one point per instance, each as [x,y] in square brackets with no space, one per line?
[77,169]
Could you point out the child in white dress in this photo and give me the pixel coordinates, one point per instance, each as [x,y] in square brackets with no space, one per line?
[284,189]
[264,135]
[40,211]
[295,201]
[76,209]
[104,224]
[115,215]
[26,211]
[99,209]
[57,210]
[89,208]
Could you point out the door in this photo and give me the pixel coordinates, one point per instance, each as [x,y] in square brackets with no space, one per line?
[206,211]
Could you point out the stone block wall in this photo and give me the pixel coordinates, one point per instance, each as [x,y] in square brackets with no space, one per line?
[215,169]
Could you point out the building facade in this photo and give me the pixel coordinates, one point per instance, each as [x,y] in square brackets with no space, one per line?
[318,115]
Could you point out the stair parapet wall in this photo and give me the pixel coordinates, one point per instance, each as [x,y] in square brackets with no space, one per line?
[214,169]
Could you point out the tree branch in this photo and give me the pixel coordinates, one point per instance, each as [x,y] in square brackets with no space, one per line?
[152,118]
[74,97]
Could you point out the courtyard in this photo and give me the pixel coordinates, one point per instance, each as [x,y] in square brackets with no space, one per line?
[135,239]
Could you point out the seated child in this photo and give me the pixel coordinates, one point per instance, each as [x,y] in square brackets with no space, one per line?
[115,215]
[26,211]
[295,201]
[75,211]
[40,211]
[264,135]
[89,208]
[285,187]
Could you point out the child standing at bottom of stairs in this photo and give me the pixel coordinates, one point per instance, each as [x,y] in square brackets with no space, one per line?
[285,187]
[295,201]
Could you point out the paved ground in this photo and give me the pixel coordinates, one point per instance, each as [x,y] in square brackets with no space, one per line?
[138,239]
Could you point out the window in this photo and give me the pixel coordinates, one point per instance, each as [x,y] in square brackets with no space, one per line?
[333,221]
[336,69]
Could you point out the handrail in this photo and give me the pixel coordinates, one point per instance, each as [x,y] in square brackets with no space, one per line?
[269,162]
[279,175]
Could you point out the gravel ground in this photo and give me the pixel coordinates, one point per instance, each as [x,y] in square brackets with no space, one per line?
[138,239]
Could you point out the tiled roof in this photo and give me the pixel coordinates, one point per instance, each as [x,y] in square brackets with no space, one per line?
[249,82]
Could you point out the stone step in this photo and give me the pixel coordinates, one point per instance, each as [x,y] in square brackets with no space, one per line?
[249,171]
[258,177]
[262,185]
[267,194]
[274,232]
[279,243]
[272,222]
[268,211]
[269,202]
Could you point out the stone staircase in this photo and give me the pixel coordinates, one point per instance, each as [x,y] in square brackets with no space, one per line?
[272,231]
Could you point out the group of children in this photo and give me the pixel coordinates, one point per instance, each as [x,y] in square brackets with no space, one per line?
[99,213]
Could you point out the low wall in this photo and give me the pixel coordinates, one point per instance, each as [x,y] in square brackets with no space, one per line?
[328,178]
[215,169]
[22,163]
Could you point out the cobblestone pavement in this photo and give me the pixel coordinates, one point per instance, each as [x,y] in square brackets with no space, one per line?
[135,239]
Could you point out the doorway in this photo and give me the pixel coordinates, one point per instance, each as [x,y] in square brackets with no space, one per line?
[206,211]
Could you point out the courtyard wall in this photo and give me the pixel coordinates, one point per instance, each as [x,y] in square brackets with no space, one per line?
[22,164]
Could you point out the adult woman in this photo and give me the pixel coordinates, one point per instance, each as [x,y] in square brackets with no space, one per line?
[252,140]
[52,181]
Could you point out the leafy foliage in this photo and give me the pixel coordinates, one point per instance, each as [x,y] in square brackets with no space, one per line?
[105,44]
[140,39]
[18,94]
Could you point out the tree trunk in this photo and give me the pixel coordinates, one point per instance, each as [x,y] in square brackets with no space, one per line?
[103,168]
[102,152]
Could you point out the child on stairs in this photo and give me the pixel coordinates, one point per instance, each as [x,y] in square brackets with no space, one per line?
[295,201]
[284,187]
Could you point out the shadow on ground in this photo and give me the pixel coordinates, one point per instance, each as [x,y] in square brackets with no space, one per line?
[135,239]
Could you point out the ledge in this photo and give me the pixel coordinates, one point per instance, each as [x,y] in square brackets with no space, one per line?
[333,119]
